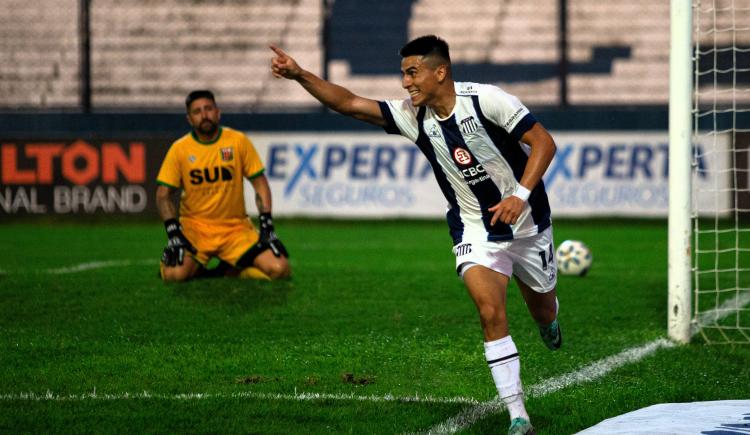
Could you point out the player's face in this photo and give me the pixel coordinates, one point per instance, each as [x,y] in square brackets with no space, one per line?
[204,116]
[419,79]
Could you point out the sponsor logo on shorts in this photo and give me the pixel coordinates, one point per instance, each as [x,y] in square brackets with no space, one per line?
[463,249]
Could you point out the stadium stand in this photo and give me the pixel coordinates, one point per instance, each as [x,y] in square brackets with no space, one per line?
[640,79]
[618,52]
[480,35]
[148,55]
[723,52]
[39,54]
[493,36]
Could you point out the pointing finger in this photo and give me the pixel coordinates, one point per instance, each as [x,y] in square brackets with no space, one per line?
[277,50]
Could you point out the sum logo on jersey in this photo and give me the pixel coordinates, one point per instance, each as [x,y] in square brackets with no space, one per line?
[462,156]
[210,175]
[463,249]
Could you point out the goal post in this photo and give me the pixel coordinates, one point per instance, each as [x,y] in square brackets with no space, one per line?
[709,171]
[680,144]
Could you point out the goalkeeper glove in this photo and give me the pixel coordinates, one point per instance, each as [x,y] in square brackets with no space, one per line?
[177,244]
[268,236]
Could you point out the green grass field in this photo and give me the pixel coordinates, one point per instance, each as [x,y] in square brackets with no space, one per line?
[374,320]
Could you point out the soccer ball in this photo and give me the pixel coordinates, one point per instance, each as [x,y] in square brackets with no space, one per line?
[573,258]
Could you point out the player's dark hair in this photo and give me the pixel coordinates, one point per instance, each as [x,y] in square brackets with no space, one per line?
[200,93]
[428,45]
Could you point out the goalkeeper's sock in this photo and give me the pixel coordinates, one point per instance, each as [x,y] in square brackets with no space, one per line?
[254,273]
[505,366]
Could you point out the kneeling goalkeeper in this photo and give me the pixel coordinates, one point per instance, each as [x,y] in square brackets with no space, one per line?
[209,165]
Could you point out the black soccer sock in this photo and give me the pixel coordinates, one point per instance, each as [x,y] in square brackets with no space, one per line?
[217,272]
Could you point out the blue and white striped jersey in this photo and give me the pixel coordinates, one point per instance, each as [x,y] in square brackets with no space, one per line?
[477,157]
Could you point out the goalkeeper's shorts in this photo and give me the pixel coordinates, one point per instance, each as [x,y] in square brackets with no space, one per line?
[228,240]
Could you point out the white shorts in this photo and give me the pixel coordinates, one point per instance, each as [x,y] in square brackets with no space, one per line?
[530,259]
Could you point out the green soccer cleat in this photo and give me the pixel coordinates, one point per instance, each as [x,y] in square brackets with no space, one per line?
[520,426]
[551,335]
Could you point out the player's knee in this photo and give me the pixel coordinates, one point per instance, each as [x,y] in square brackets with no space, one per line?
[278,270]
[175,274]
[491,315]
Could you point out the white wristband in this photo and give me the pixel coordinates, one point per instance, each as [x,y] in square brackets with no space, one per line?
[522,193]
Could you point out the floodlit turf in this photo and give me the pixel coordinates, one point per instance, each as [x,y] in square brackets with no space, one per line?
[373,309]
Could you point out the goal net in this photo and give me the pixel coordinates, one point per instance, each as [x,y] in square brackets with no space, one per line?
[721,153]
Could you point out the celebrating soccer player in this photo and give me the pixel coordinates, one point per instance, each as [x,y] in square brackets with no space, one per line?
[488,153]
[209,165]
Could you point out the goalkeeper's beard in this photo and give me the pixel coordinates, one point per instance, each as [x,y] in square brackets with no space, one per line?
[208,128]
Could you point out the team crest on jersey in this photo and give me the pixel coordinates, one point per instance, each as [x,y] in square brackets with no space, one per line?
[469,125]
[462,156]
[227,155]
[191,159]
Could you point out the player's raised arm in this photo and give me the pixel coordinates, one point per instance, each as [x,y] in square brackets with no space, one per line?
[333,96]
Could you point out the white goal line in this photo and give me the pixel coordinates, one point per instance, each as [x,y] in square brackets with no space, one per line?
[49,396]
[461,421]
[592,371]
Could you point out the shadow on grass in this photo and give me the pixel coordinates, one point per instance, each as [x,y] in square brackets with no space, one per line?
[235,295]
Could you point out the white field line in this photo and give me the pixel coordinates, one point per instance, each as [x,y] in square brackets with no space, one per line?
[82,267]
[52,397]
[468,417]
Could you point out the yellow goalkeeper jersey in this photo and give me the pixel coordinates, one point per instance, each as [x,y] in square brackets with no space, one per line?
[210,175]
